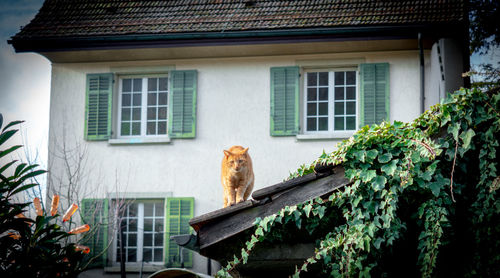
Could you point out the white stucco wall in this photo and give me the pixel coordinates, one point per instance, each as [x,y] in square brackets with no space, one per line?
[233,108]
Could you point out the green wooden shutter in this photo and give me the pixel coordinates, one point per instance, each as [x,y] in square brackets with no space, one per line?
[284,101]
[374,93]
[178,213]
[182,104]
[98,106]
[95,213]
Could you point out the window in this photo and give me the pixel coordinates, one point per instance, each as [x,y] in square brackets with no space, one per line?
[143,106]
[143,232]
[150,109]
[334,103]
[330,101]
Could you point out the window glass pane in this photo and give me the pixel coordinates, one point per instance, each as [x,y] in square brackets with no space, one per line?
[323,123]
[151,128]
[125,129]
[136,99]
[158,254]
[162,127]
[311,109]
[132,210]
[323,108]
[339,78]
[147,254]
[339,123]
[323,93]
[152,84]
[311,94]
[163,84]
[136,128]
[152,98]
[350,123]
[339,93]
[126,114]
[132,240]
[136,114]
[323,78]
[350,78]
[148,225]
[126,100]
[162,98]
[162,113]
[137,85]
[311,124]
[132,254]
[148,239]
[126,85]
[159,209]
[312,78]
[339,108]
[351,93]
[148,209]
[152,113]
[132,225]
[158,239]
[350,108]
[158,225]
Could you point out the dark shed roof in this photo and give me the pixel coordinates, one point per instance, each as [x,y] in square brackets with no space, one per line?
[149,20]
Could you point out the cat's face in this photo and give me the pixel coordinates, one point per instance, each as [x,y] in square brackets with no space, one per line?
[236,161]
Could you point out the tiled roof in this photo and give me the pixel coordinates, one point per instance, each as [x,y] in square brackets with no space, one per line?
[91,18]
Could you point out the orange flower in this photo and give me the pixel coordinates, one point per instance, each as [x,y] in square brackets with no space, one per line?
[70,212]
[14,235]
[81,229]
[83,248]
[20,215]
[38,206]
[55,204]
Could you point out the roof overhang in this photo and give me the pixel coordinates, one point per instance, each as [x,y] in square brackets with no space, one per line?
[282,36]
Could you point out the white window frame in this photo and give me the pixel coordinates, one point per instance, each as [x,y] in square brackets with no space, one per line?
[330,133]
[140,236]
[144,109]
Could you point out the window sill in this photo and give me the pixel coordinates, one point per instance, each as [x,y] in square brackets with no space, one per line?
[329,136]
[133,141]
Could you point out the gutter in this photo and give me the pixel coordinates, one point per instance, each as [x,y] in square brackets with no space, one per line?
[51,44]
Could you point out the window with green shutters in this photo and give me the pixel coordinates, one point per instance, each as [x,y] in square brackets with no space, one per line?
[284,101]
[98,106]
[335,102]
[182,113]
[374,93]
[95,213]
[178,213]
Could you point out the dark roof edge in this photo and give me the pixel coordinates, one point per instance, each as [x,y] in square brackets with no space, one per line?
[53,44]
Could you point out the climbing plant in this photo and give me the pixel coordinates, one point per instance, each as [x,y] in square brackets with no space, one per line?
[423,198]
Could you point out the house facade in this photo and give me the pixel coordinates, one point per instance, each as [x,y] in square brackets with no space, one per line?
[153,92]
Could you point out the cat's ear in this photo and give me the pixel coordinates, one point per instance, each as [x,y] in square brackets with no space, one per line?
[227,153]
[245,150]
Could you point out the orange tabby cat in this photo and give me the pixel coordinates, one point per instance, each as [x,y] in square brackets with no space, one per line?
[237,175]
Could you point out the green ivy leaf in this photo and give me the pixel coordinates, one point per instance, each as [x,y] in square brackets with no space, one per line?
[390,168]
[360,155]
[367,176]
[307,209]
[377,242]
[466,138]
[435,188]
[384,158]
[379,183]
[371,154]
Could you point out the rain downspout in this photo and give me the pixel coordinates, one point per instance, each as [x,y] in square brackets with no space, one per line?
[422,73]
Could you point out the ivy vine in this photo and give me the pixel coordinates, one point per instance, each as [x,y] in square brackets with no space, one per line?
[423,198]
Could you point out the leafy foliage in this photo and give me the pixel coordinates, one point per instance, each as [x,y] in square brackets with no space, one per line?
[423,198]
[30,248]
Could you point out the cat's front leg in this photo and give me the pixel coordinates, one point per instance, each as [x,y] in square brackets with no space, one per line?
[240,192]
[232,195]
